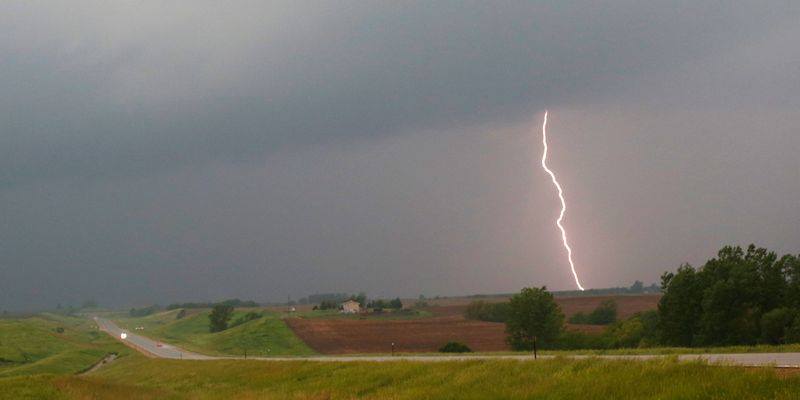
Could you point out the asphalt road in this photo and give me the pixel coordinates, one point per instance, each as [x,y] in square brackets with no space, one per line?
[147,345]
[163,350]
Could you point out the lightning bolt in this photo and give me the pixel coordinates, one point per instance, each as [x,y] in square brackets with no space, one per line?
[563,203]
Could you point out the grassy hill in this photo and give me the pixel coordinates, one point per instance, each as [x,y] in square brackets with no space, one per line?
[264,336]
[50,343]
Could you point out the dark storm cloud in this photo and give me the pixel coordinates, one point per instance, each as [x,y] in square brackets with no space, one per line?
[98,90]
[156,151]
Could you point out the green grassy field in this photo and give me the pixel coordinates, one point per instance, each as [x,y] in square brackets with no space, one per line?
[265,336]
[49,343]
[42,363]
[142,378]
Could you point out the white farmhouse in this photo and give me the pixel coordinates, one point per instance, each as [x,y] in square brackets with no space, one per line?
[351,307]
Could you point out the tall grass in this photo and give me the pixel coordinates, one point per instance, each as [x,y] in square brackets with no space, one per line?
[489,379]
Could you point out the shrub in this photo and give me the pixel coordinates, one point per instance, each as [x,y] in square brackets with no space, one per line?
[380,303]
[143,312]
[328,305]
[455,347]
[604,314]
[578,340]
[245,318]
[180,314]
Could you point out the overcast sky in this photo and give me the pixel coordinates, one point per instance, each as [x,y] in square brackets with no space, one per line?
[176,151]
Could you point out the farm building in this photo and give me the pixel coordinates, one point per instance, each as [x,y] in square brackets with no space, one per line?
[350,307]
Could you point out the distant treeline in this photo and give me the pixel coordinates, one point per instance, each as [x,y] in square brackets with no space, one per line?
[229,302]
[636,288]
[326,297]
[145,311]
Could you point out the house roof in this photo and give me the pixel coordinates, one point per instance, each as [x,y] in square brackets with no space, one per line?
[350,301]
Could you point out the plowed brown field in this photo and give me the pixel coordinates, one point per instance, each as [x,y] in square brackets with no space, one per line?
[351,336]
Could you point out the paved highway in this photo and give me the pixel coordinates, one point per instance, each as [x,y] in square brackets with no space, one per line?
[163,350]
[147,345]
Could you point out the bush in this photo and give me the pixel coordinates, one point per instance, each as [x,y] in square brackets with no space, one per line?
[180,314]
[380,303]
[245,318]
[569,340]
[143,312]
[604,314]
[328,305]
[455,347]
[483,311]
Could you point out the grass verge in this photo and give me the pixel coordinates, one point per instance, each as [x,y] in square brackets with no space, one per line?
[138,377]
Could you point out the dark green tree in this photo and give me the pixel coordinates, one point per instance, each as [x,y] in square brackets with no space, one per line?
[533,313]
[219,317]
[730,300]
[396,303]
[361,298]
[680,307]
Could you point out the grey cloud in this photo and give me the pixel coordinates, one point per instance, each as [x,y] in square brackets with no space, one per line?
[168,151]
[149,87]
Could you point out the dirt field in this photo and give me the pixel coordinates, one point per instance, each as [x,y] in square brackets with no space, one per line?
[342,336]
[350,336]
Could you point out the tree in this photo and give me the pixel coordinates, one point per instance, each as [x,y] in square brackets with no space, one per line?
[637,287]
[219,317]
[361,298]
[396,303]
[533,315]
[730,299]
[680,307]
